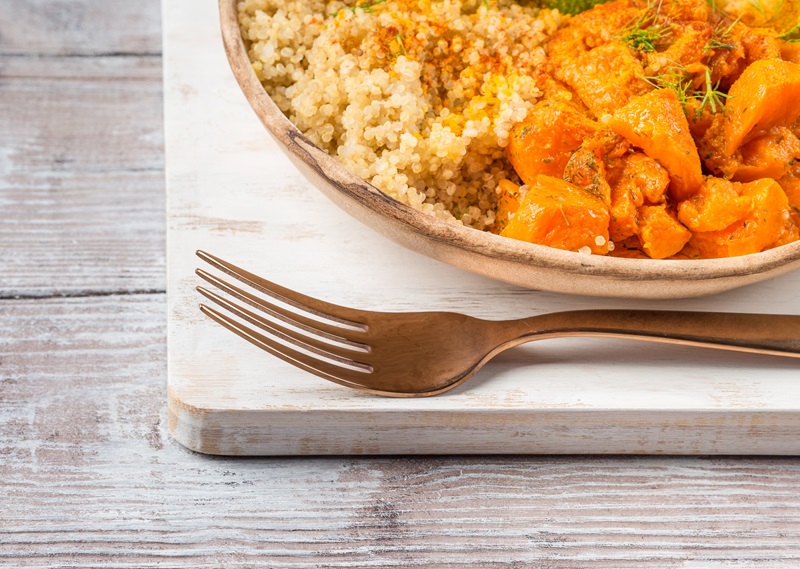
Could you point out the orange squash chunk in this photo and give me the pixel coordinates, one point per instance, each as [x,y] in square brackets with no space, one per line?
[647,175]
[656,123]
[596,162]
[544,141]
[625,203]
[660,234]
[790,51]
[767,94]
[508,199]
[559,214]
[756,231]
[642,180]
[605,77]
[588,172]
[768,156]
[791,187]
[715,207]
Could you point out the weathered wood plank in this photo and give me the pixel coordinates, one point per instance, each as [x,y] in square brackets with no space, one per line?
[89,473]
[81,175]
[90,478]
[67,27]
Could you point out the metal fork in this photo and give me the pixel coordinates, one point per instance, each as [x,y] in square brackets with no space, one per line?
[415,354]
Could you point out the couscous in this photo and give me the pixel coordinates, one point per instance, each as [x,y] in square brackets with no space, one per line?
[417,97]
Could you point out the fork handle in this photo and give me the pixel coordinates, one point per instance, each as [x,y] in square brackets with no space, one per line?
[760,333]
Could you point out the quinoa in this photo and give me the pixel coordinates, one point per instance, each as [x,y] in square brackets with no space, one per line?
[415,96]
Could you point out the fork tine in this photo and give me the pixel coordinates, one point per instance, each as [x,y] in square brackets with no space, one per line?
[324,328]
[341,314]
[306,342]
[337,374]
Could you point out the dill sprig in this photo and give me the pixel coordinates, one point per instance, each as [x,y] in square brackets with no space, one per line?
[758,6]
[676,79]
[792,34]
[646,33]
[366,7]
[719,37]
[401,45]
[709,96]
[647,40]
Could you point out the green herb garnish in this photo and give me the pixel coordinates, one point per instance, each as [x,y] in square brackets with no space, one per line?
[792,34]
[711,95]
[572,7]
[646,33]
[680,81]
[397,39]
[366,7]
[674,78]
[718,38]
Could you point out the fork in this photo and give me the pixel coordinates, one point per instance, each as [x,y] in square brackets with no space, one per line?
[415,354]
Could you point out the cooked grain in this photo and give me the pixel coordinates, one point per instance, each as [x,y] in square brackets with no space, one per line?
[415,96]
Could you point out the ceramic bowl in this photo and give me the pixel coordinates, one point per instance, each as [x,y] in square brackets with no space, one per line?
[516,262]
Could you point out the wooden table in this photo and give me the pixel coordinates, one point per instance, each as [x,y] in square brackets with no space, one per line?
[89,476]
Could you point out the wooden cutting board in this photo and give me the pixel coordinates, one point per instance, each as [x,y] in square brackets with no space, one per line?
[233,193]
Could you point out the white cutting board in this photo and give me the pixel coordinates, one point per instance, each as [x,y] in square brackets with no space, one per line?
[233,193]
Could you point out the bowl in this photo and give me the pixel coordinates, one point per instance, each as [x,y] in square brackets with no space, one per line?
[515,262]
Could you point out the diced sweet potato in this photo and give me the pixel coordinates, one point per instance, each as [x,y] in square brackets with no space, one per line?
[605,78]
[767,94]
[656,123]
[544,141]
[700,118]
[586,171]
[791,187]
[759,229]
[729,59]
[642,180]
[559,214]
[790,51]
[625,203]
[648,175]
[768,156]
[596,163]
[788,234]
[684,10]
[689,46]
[553,90]
[591,28]
[716,206]
[660,234]
[508,199]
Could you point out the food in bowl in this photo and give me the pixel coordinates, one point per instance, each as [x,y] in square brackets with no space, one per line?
[627,130]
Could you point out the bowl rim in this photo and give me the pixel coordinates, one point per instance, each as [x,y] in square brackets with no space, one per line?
[466,238]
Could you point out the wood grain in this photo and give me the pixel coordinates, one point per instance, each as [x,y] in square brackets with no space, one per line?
[81,149]
[83,29]
[81,157]
[90,478]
